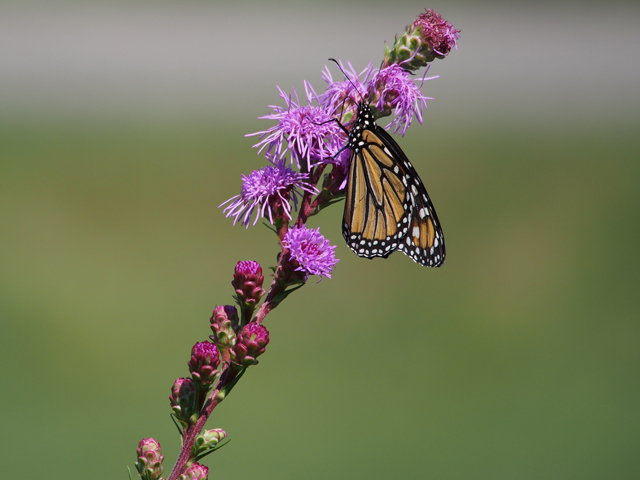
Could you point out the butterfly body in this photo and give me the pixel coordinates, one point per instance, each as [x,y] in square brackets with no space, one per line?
[387,207]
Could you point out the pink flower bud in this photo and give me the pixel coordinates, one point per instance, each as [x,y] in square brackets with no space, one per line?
[204,363]
[224,323]
[149,464]
[183,401]
[252,342]
[195,472]
[247,282]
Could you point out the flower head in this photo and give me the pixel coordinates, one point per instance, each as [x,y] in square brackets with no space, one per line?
[341,98]
[437,32]
[264,191]
[393,89]
[426,39]
[312,252]
[309,131]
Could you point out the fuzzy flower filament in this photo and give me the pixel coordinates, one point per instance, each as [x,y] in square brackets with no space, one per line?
[309,132]
[341,98]
[267,193]
[311,250]
[393,90]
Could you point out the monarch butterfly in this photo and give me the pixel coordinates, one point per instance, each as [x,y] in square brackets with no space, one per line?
[387,207]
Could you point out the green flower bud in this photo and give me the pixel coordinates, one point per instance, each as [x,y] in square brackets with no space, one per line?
[224,323]
[184,402]
[207,441]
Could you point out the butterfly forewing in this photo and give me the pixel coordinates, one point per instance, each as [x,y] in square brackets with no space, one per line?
[387,206]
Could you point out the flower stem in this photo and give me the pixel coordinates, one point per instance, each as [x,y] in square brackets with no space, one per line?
[192,432]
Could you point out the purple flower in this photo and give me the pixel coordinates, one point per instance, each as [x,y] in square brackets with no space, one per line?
[314,254]
[309,131]
[344,96]
[437,32]
[393,89]
[277,183]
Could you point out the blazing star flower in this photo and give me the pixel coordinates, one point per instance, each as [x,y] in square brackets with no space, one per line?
[341,98]
[308,130]
[437,32]
[275,182]
[314,254]
[393,89]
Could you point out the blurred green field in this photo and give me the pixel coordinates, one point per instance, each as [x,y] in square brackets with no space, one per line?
[518,359]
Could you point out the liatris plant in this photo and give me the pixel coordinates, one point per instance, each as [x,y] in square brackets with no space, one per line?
[313,137]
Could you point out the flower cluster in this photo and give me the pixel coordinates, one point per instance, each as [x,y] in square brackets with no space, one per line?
[313,133]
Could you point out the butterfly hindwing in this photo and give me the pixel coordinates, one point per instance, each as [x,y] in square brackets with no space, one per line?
[387,206]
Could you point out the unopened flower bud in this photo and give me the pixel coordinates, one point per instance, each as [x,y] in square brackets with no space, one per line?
[207,441]
[149,464]
[204,363]
[247,282]
[195,472]
[183,401]
[252,342]
[426,39]
[224,323]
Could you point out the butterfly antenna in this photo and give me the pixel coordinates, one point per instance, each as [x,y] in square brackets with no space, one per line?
[347,77]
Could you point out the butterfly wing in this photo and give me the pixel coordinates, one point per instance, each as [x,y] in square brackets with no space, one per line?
[387,206]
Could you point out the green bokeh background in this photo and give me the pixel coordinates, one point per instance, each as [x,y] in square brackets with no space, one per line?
[518,359]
